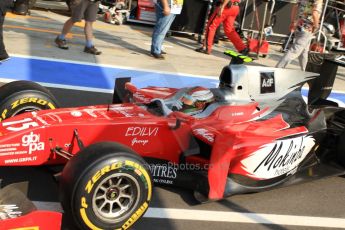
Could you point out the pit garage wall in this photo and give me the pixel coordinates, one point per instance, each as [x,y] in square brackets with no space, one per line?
[192,17]
[280,17]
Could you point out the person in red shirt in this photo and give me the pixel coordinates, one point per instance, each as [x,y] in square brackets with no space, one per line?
[226,13]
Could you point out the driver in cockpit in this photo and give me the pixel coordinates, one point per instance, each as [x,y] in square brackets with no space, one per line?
[194,100]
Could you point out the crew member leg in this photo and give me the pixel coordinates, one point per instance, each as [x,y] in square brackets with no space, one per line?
[229,29]
[303,58]
[88,30]
[90,16]
[89,46]
[161,29]
[3,53]
[78,10]
[211,29]
[67,27]
[301,42]
[77,13]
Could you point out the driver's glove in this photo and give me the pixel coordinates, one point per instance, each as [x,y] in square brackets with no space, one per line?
[177,105]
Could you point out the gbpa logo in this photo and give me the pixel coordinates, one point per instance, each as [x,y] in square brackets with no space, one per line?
[33,142]
[267,83]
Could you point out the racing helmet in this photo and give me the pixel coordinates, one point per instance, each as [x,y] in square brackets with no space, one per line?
[195,100]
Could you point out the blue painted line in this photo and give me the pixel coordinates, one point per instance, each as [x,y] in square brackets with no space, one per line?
[101,77]
[83,75]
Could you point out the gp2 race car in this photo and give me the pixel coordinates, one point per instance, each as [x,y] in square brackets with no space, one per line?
[253,133]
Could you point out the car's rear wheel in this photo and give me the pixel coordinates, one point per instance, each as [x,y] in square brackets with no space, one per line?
[105,186]
[24,96]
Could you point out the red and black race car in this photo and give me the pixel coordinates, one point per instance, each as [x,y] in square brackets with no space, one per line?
[253,133]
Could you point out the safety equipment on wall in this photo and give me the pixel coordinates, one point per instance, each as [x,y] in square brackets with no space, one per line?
[115,11]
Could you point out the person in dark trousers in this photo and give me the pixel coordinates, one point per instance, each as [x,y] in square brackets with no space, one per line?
[226,13]
[81,9]
[4,6]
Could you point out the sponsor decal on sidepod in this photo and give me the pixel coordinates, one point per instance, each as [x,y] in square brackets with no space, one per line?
[278,158]
[163,174]
[33,142]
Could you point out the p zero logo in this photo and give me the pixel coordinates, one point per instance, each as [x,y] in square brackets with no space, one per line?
[267,83]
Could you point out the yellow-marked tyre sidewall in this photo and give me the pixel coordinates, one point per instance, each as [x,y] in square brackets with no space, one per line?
[19,96]
[88,183]
[22,102]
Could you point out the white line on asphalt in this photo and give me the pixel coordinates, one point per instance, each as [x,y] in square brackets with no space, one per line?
[164,46]
[238,217]
[222,216]
[193,47]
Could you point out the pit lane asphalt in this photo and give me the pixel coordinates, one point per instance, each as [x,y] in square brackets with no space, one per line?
[322,198]
[127,46]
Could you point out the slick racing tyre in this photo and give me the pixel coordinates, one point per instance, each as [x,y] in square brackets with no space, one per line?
[24,96]
[105,186]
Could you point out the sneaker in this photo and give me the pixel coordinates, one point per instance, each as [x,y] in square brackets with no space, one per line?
[92,50]
[202,50]
[4,57]
[157,56]
[61,43]
[163,52]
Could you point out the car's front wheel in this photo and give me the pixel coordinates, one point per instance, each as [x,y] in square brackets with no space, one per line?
[105,186]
